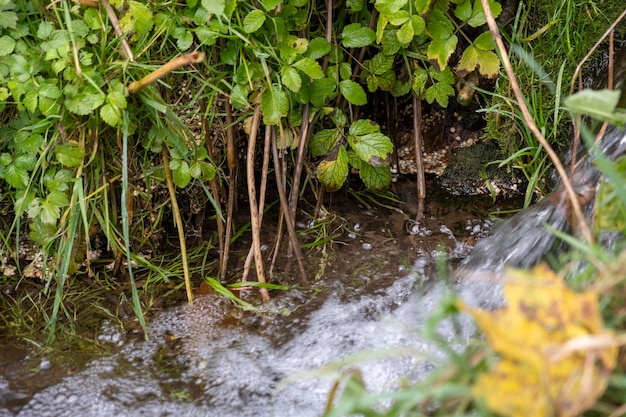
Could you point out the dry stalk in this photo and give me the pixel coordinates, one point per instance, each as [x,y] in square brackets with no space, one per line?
[179,223]
[173,65]
[254,208]
[126,51]
[573,197]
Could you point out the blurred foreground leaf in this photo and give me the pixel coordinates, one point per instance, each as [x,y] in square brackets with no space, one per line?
[556,355]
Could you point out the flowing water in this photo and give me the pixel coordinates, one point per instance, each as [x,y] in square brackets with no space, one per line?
[212,359]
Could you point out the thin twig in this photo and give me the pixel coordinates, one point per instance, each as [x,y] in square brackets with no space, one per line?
[254,208]
[191,58]
[231,159]
[573,197]
[264,170]
[291,227]
[179,222]
[419,162]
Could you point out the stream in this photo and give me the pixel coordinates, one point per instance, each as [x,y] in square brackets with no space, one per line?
[379,286]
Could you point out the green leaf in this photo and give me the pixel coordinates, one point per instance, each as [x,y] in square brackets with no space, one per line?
[333,171]
[357,36]
[181,173]
[50,90]
[488,63]
[439,91]
[484,41]
[438,25]
[59,180]
[8,20]
[420,78]
[184,38]
[31,101]
[363,127]
[353,92]
[599,104]
[324,141]
[380,64]
[51,207]
[478,18]
[322,90]
[274,105]
[215,7]
[423,6]
[463,11]
[389,7]
[253,21]
[137,19]
[7,45]
[69,156]
[310,67]
[375,178]
[440,50]
[373,148]
[405,33]
[83,102]
[111,114]
[468,60]
[16,177]
[318,47]
[239,97]
[419,25]
[291,79]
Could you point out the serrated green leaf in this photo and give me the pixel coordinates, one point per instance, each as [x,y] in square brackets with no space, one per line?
[354,6]
[49,106]
[181,173]
[111,114]
[310,67]
[8,20]
[389,7]
[30,101]
[184,38]
[291,79]
[325,141]
[468,60]
[419,24]
[49,90]
[239,97]
[44,30]
[345,71]
[391,44]
[599,104]
[439,91]
[29,143]
[420,78]
[488,63]
[51,207]
[353,92]
[438,25]
[137,19]
[69,156]
[363,127]
[253,21]
[372,148]
[84,102]
[333,171]
[440,50]
[405,33]
[274,105]
[463,10]
[318,47]
[7,45]
[422,6]
[216,7]
[478,14]
[57,181]
[339,118]
[372,83]
[16,177]
[380,64]
[386,81]
[205,35]
[357,36]
[399,18]
[322,90]
[375,178]
[484,41]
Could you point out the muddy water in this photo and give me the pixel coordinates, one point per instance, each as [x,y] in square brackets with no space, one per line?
[379,284]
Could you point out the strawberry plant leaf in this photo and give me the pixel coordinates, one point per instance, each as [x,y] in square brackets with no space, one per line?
[69,156]
[439,91]
[371,148]
[111,114]
[440,50]
[405,34]
[484,41]
[363,127]
[181,173]
[291,79]
[375,178]
[324,141]
[51,207]
[253,21]
[353,92]
[7,45]
[380,64]
[216,7]
[318,47]
[310,67]
[322,90]
[389,7]
[420,78]
[423,6]
[357,36]
[333,170]
[468,61]
[274,105]
[488,63]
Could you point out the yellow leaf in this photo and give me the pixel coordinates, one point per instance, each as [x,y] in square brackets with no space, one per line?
[556,355]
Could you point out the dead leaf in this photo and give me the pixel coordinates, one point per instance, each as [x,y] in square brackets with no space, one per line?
[555,354]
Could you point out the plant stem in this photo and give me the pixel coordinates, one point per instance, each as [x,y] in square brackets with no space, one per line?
[419,161]
[179,222]
[254,208]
